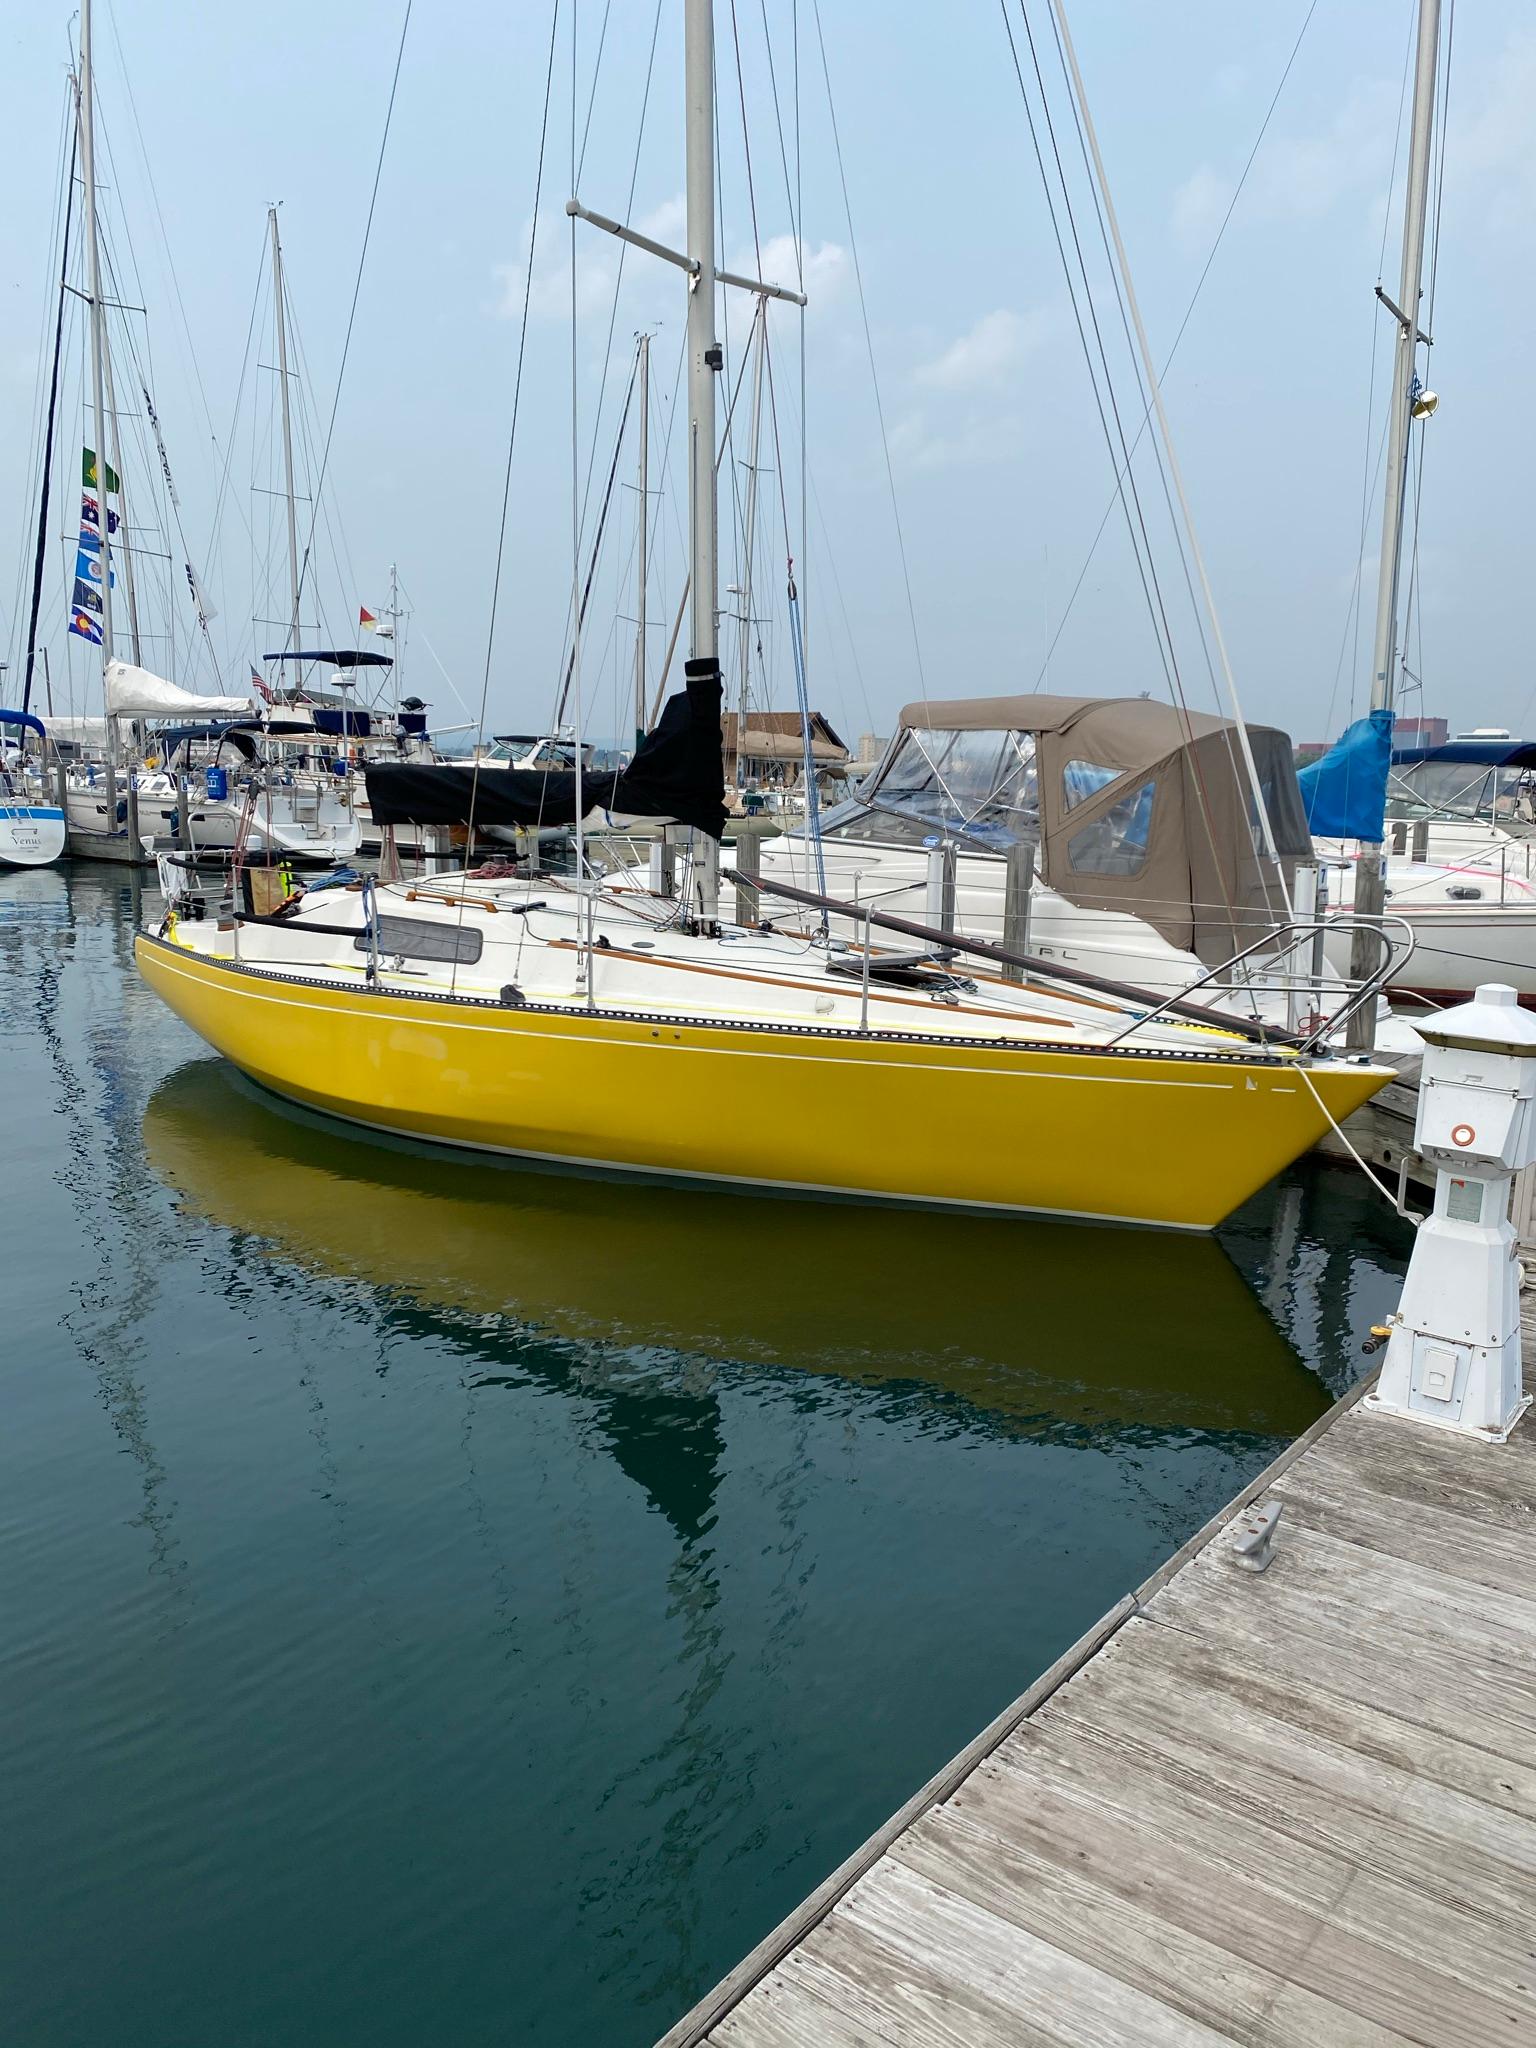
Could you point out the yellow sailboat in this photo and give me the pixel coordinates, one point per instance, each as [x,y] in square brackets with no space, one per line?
[558,1020]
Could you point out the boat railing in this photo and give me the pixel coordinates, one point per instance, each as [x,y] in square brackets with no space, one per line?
[1285,940]
[1285,937]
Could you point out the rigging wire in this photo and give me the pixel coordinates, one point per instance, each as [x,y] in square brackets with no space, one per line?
[506,481]
[869,348]
[618,281]
[357,286]
[1354,616]
[1168,360]
[1413,610]
[1097,363]
[41,554]
[1238,748]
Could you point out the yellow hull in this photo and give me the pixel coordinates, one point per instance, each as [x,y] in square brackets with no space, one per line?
[1130,1137]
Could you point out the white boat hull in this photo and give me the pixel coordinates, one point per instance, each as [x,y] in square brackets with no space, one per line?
[31,835]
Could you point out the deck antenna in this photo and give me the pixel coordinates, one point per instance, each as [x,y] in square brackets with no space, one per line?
[280,313]
[1370,868]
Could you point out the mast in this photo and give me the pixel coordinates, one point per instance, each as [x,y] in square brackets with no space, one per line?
[114,458]
[759,342]
[1370,868]
[40,558]
[1383,668]
[704,356]
[280,309]
[641,538]
[98,367]
[394,634]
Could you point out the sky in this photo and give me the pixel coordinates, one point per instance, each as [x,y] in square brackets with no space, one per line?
[956,469]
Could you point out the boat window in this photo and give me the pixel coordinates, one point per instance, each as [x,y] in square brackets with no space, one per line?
[1115,844]
[1461,789]
[980,785]
[1083,779]
[421,938]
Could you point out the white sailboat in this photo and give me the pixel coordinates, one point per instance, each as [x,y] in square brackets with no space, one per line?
[31,818]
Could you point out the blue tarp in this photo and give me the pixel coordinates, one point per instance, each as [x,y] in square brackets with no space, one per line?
[26,721]
[1345,793]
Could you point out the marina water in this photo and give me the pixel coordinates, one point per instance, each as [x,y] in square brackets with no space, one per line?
[447,1602]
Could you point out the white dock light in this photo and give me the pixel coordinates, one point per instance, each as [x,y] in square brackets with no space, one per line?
[1453,1358]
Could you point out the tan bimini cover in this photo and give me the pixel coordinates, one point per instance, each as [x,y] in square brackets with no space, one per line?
[1170,833]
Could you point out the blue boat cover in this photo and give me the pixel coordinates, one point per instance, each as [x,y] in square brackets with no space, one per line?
[25,720]
[1483,753]
[1345,793]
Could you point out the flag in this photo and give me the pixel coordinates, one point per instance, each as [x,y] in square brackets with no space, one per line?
[88,472]
[90,515]
[87,596]
[205,610]
[366,621]
[260,687]
[87,626]
[88,565]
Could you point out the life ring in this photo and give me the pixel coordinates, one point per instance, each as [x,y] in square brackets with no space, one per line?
[1463,1135]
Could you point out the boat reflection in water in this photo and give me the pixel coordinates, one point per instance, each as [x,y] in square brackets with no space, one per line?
[1039,1327]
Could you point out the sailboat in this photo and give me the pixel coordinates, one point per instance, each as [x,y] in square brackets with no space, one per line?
[553,1018]
[1403,827]
[31,818]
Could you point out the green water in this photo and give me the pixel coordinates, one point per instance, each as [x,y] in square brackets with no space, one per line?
[445,1603]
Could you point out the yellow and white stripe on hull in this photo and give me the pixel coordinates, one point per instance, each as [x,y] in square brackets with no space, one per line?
[1131,1136]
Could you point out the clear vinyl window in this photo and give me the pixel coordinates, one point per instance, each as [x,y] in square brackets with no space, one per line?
[1115,844]
[1083,779]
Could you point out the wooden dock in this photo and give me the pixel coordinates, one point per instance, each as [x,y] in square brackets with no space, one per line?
[1296,1808]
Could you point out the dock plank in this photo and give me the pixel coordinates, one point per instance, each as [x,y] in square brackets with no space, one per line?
[1331,1790]
[1489,1554]
[1371,1730]
[1294,1809]
[1128,1936]
[1235,1871]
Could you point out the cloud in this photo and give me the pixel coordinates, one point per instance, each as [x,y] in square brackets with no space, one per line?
[919,443]
[1491,145]
[1199,207]
[826,267]
[1298,177]
[985,357]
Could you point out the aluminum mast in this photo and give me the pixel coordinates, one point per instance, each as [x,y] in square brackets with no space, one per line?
[280,307]
[1370,868]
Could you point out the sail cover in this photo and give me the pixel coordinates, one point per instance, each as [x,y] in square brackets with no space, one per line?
[1346,791]
[678,773]
[136,693]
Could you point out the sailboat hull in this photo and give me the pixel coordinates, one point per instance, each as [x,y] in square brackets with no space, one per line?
[1143,1137]
[31,835]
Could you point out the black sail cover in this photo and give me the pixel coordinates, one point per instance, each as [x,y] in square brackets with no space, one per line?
[678,772]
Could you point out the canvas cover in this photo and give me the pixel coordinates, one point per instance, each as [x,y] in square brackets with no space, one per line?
[1345,793]
[1171,832]
[676,774]
[137,693]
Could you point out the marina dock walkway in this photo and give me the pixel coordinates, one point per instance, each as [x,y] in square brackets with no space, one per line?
[1295,1808]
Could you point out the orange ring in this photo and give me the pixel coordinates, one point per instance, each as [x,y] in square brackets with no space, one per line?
[1463,1135]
